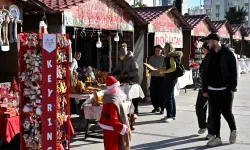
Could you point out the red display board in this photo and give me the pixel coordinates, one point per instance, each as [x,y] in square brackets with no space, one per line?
[44,96]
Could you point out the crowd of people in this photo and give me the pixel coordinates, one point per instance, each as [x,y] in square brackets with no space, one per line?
[217,82]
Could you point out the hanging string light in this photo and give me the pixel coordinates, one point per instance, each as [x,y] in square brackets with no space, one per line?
[116,38]
[99,43]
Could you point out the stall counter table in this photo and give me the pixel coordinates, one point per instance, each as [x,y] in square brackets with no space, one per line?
[9,128]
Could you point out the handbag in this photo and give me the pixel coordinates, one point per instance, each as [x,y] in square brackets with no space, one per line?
[180,70]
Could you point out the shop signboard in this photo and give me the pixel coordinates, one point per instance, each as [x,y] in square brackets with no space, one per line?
[98,14]
[201,29]
[49,64]
[223,32]
[237,35]
[164,23]
[247,38]
[176,39]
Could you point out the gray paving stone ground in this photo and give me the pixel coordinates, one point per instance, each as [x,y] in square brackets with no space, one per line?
[151,134]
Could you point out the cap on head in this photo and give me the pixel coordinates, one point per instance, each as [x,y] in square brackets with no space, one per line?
[123,50]
[111,82]
[212,36]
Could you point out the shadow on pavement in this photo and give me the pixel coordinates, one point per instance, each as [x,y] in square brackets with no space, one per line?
[200,147]
[80,145]
[147,122]
[177,141]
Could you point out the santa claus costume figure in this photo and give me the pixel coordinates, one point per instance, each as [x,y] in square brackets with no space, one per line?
[114,121]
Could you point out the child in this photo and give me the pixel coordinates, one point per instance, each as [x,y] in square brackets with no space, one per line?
[114,121]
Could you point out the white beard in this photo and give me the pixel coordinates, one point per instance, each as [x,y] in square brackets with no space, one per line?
[122,95]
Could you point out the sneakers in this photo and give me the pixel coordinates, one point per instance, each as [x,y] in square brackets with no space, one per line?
[168,120]
[233,136]
[215,141]
[209,136]
[202,131]
[156,110]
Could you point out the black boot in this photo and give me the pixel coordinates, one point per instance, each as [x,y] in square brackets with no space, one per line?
[135,103]
[162,111]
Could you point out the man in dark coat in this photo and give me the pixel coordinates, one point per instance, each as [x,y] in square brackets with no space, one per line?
[127,69]
[127,66]
[219,82]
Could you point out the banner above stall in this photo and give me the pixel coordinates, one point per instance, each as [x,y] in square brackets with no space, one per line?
[248,34]
[98,14]
[237,35]
[201,29]
[223,32]
[166,30]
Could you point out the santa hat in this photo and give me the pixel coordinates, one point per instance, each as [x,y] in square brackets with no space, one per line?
[111,82]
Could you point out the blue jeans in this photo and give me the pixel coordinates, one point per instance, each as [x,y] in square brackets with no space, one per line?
[169,85]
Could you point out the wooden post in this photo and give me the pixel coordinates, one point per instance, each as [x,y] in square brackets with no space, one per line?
[110,53]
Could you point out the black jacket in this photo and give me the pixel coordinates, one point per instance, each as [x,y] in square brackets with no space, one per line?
[200,75]
[228,69]
[177,55]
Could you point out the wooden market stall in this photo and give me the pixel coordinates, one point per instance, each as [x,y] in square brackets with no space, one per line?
[224,31]
[239,33]
[11,18]
[165,24]
[97,29]
[201,27]
[11,14]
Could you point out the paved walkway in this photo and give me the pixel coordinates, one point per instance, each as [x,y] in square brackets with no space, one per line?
[181,134]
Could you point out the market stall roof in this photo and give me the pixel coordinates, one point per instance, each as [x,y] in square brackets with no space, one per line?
[151,13]
[219,24]
[53,6]
[248,34]
[194,20]
[237,27]
[248,31]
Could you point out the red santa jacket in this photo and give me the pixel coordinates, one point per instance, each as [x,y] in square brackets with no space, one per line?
[109,119]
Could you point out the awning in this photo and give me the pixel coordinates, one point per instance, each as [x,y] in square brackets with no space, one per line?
[224,28]
[201,25]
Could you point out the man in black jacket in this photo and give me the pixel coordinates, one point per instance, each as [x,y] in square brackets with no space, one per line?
[219,84]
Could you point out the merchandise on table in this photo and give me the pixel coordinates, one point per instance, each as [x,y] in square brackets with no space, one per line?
[9,99]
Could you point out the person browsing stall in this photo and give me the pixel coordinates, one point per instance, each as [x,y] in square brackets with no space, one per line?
[157,80]
[170,80]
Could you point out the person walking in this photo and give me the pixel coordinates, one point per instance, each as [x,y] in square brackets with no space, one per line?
[157,80]
[170,80]
[201,103]
[219,82]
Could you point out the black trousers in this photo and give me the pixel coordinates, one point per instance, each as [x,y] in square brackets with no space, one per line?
[201,112]
[157,92]
[169,104]
[221,102]
[135,102]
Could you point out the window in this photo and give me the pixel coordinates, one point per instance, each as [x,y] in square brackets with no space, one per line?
[218,15]
[217,6]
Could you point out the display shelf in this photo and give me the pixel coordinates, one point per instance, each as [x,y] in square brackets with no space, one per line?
[44,91]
